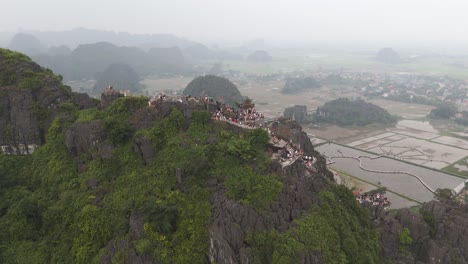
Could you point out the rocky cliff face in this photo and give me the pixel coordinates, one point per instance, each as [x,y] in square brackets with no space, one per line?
[30,98]
[438,233]
[231,221]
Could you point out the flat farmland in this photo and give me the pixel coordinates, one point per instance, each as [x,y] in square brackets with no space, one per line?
[346,134]
[413,132]
[460,167]
[456,142]
[269,99]
[400,183]
[429,151]
[419,143]
[405,110]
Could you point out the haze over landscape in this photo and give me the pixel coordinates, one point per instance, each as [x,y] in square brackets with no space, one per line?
[430,23]
[216,131]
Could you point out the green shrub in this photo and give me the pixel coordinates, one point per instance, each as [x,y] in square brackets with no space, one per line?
[88,115]
[405,240]
[429,219]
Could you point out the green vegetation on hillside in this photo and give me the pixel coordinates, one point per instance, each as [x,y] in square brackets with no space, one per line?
[339,229]
[345,112]
[50,214]
[18,69]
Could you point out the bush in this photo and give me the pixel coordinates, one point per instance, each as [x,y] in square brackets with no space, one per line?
[429,219]
[444,111]
[405,240]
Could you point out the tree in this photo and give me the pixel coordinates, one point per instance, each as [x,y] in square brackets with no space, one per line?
[444,111]
[405,240]
[445,194]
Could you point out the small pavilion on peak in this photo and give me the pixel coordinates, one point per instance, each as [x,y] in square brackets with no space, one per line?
[247,104]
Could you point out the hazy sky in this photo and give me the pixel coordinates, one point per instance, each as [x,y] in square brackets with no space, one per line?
[444,21]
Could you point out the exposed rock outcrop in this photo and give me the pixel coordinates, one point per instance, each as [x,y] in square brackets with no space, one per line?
[110,95]
[30,99]
[125,247]
[439,234]
[231,221]
[80,138]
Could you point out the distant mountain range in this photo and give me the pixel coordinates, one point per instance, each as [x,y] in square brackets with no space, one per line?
[73,38]
[89,59]
[82,53]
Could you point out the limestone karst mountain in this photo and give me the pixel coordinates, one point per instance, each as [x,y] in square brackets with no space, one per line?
[218,88]
[137,181]
[259,56]
[388,55]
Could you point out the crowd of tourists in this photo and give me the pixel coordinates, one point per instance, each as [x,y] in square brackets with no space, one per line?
[374,199]
[309,161]
[246,116]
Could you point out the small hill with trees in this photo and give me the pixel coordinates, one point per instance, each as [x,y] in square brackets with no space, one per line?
[299,85]
[214,86]
[120,76]
[259,56]
[444,111]
[345,112]
[388,55]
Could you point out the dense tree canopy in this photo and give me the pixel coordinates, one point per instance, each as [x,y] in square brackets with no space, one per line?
[215,87]
[444,111]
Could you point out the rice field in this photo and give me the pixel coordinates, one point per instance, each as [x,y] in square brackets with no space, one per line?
[400,183]
[419,143]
